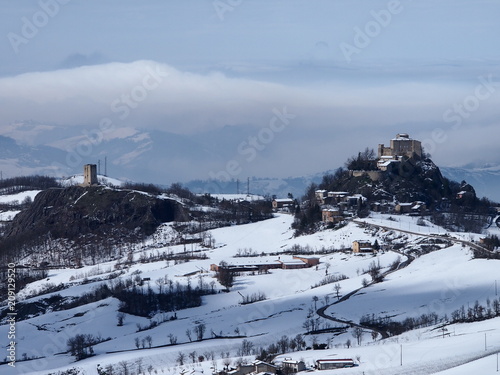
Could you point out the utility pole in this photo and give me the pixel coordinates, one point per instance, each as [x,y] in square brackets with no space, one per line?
[401,354]
[106,166]
[237,186]
[248,185]
[99,166]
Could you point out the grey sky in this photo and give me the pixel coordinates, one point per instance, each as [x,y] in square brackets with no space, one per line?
[417,66]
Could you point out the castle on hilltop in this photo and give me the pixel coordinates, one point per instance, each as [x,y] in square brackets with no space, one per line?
[400,146]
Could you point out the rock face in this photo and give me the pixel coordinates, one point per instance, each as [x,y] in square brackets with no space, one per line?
[417,180]
[76,212]
[412,179]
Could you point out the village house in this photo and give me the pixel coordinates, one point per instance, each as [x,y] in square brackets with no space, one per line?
[385,162]
[362,247]
[465,194]
[403,208]
[284,204]
[408,208]
[320,196]
[291,366]
[261,367]
[383,207]
[336,196]
[256,367]
[331,214]
[330,364]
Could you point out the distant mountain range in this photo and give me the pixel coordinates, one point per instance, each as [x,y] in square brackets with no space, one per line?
[160,157]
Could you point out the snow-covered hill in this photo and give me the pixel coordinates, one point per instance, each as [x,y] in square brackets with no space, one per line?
[439,282]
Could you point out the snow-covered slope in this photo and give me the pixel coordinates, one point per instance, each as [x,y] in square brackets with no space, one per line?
[440,281]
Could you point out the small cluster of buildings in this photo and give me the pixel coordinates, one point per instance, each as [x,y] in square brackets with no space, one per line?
[289,366]
[262,265]
[336,204]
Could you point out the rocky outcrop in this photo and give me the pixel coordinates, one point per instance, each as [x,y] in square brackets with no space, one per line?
[76,212]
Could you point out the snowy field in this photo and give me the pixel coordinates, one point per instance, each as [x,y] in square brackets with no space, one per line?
[19,197]
[440,281]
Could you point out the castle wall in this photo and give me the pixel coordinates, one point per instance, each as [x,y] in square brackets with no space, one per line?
[374,175]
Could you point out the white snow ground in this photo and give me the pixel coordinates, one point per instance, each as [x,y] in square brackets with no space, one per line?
[440,282]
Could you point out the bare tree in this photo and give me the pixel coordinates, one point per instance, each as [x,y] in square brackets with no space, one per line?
[226,363]
[357,333]
[149,341]
[120,317]
[188,334]
[192,355]
[161,283]
[199,330]
[139,365]
[181,357]
[315,300]
[172,339]
[246,347]
[337,288]
[124,367]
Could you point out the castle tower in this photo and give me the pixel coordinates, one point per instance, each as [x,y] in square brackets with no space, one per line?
[89,175]
[403,145]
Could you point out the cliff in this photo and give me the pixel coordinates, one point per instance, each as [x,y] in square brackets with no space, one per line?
[76,212]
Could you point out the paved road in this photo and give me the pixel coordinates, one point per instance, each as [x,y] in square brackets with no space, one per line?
[384,334]
[437,236]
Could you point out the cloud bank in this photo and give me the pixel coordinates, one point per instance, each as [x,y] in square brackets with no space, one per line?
[331,117]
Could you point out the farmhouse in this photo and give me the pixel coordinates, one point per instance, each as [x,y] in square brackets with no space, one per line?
[261,366]
[282,203]
[362,247]
[260,264]
[256,367]
[330,364]
[309,261]
[291,366]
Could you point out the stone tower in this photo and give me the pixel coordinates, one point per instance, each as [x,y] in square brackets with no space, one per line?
[89,175]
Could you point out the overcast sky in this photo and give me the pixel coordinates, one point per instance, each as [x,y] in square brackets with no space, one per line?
[347,74]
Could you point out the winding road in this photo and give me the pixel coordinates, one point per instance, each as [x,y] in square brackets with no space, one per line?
[321,311]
